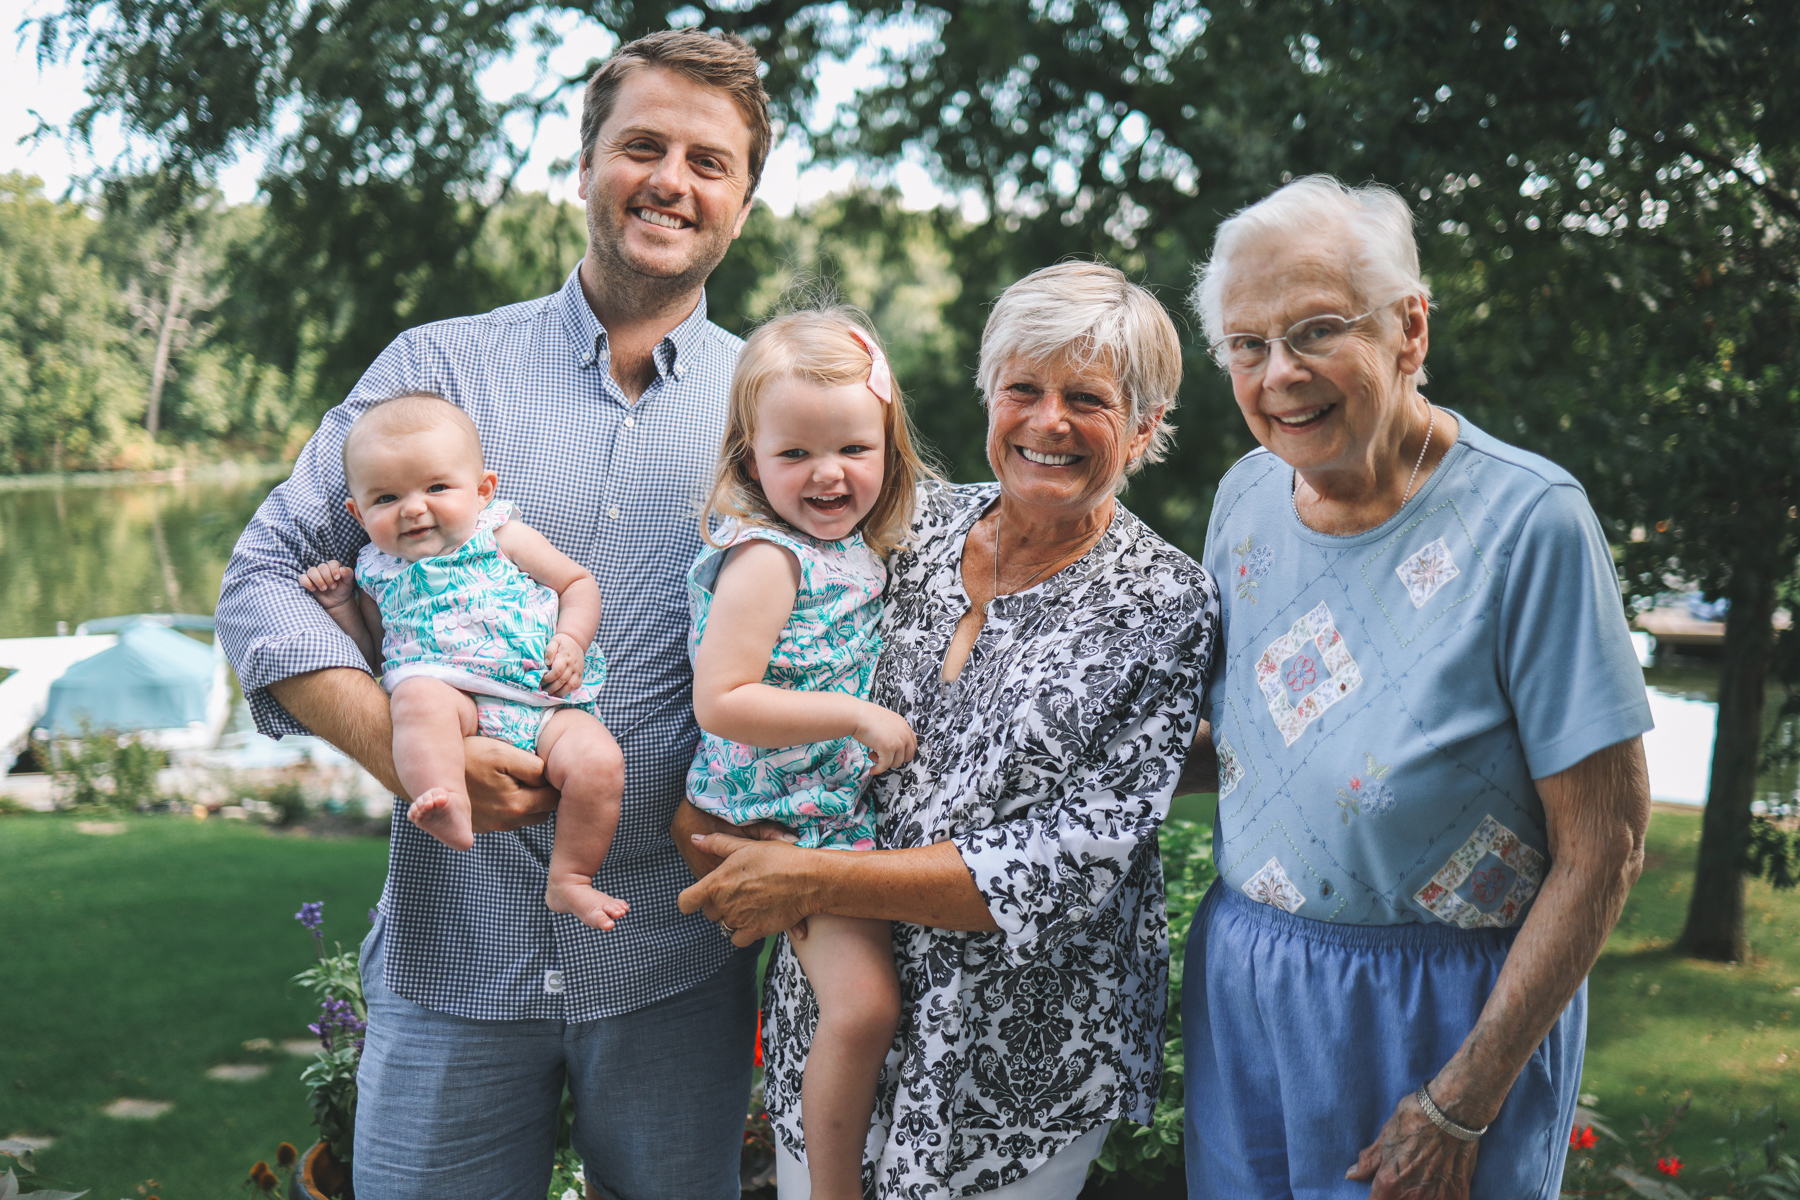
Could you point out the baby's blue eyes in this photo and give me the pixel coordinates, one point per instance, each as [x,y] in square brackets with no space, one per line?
[386,498]
[437,487]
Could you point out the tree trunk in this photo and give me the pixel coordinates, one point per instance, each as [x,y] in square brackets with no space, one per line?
[1715,922]
[170,325]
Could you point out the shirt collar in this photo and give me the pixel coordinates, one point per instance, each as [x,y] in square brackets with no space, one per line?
[674,354]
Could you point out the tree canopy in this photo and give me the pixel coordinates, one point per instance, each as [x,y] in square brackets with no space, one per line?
[1608,194]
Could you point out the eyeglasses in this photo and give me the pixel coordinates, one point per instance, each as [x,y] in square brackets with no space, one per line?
[1315,337]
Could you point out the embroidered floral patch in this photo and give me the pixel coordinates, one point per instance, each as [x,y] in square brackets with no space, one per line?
[1271,885]
[1305,671]
[1365,794]
[1487,882]
[1253,563]
[1429,569]
[1231,771]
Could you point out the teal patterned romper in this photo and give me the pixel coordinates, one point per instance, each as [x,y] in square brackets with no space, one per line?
[476,621]
[830,644]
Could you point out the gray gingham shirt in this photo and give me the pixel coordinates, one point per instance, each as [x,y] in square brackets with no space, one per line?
[614,485]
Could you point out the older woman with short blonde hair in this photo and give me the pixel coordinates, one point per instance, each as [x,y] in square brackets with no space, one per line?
[1432,795]
[1050,653]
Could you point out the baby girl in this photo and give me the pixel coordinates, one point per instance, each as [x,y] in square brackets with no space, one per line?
[477,625]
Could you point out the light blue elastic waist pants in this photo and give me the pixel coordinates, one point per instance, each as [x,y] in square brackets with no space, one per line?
[1301,1036]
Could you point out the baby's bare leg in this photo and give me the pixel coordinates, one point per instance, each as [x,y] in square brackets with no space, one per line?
[431,719]
[582,761]
[850,964]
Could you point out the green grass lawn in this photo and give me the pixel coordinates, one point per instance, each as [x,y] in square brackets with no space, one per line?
[132,963]
[1661,1026]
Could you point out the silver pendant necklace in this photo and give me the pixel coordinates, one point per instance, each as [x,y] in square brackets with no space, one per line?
[1432,421]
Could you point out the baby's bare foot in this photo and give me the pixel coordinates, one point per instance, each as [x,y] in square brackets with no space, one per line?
[445,815]
[581,898]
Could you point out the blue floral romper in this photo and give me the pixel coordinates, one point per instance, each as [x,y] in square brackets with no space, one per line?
[830,644]
[473,619]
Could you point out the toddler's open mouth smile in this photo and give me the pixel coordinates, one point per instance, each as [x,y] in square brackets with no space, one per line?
[829,506]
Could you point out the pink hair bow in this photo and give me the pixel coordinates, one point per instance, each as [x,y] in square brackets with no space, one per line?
[881,378]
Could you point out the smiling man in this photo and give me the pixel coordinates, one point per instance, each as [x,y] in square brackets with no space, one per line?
[601,408]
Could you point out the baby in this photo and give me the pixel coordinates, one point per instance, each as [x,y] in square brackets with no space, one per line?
[477,625]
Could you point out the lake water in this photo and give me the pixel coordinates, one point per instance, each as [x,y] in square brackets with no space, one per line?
[75,553]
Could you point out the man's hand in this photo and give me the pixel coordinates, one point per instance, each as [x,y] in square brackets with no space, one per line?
[566,666]
[332,584]
[507,789]
[757,889]
[887,735]
[1412,1159]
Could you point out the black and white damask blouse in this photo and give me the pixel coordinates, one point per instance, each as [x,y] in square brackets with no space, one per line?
[1049,763]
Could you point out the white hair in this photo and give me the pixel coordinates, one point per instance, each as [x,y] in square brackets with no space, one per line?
[1377,219]
[1092,309]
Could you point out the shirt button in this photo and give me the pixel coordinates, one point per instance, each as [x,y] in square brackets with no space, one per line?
[553,983]
[678,370]
[629,422]
[613,512]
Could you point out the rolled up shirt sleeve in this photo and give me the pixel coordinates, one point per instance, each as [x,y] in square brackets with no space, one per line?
[270,627]
[1047,872]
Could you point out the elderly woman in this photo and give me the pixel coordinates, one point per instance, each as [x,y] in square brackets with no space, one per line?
[1432,795]
[1049,651]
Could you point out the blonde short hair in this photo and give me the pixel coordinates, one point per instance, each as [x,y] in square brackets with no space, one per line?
[815,345]
[1093,310]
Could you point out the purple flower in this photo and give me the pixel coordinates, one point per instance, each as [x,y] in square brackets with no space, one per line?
[337,1019]
[311,915]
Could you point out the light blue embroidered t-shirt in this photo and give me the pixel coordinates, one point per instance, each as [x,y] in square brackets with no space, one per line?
[1385,700]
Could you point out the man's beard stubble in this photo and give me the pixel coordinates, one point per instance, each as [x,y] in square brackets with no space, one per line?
[629,284]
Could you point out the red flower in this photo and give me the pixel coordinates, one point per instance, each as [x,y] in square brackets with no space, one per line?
[759,1061]
[1582,1138]
[1670,1166]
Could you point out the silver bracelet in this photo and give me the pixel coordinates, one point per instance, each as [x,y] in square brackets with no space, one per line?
[1460,1132]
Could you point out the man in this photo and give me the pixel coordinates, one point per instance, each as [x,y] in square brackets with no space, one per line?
[601,407]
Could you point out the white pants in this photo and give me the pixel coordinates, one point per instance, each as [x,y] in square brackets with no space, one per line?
[1061,1178]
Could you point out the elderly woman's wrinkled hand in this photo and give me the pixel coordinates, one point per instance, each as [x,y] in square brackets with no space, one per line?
[758,888]
[1412,1159]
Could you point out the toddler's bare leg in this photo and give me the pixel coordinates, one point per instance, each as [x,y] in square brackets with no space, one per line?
[582,761]
[850,964]
[431,719]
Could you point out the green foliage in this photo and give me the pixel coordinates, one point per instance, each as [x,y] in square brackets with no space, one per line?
[331,1077]
[70,387]
[1773,854]
[82,297]
[1148,1152]
[102,771]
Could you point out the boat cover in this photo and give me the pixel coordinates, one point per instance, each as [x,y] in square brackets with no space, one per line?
[154,678]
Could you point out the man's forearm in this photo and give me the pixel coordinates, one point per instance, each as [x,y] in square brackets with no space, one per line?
[348,709]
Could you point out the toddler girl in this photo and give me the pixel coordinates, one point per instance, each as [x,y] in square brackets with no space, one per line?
[816,481]
[476,624]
